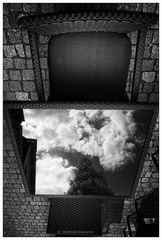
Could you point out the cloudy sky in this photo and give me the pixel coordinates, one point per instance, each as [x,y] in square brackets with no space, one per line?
[63,136]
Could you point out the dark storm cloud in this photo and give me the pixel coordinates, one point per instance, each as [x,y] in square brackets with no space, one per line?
[72,156]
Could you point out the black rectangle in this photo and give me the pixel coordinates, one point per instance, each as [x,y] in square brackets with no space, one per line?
[75,217]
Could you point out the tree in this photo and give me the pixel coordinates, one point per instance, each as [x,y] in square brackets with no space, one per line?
[88,180]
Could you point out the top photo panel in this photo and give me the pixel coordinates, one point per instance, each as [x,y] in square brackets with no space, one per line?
[81,52]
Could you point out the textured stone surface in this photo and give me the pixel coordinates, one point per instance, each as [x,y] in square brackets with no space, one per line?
[46,85]
[9,51]
[156,65]
[156,37]
[43,72]
[5,75]
[154,97]
[5,22]
[43,63]
[148,76]
[7,63]
[15,86]
[149,7]
[134,51]
[15,75]
[25,36]
[155,52]
[134,37]
[28,74]
[29,86]
[20,50]
[5,87]
[147,52]
[22,96]
[131,66]
[147,65]
[43,39]
[29,64]
[17,52]
[28,51]
[14,35]
[9,95]
[143,97]
[19,63]
[148,87]
[149,36]
[34,96]
[4,38]
[43,50]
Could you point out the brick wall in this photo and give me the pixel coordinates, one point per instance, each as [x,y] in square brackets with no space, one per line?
[149,87]
[23,215]
[18,72]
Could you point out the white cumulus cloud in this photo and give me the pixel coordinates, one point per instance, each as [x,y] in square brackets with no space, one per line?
[52,177]
[113,143]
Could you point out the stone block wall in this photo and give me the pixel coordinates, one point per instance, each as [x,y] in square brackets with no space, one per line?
[18,74]
[22,215]
[149,87]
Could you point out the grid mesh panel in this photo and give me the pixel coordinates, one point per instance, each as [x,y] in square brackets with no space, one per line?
[75,216]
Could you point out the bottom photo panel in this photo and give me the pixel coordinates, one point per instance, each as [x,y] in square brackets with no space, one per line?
[80,170]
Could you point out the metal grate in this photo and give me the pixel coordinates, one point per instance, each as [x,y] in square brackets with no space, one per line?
[75,217]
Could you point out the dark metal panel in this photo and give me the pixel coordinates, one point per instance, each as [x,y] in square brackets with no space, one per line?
[75,217]
[88,66]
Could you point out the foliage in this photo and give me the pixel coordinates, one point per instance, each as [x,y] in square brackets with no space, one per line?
[88,181]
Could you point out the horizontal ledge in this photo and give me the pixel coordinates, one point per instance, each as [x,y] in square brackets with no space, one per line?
[101,197]
[125,16]
[81,105]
